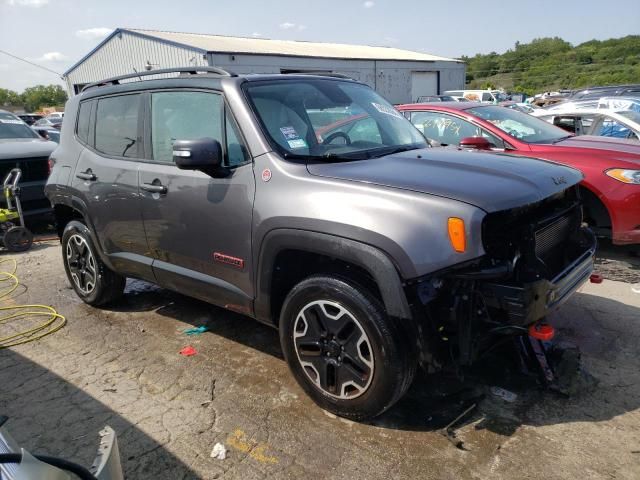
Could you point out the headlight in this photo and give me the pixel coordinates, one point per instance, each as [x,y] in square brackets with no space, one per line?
[625,176]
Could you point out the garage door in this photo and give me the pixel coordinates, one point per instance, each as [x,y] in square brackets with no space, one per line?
[423,83]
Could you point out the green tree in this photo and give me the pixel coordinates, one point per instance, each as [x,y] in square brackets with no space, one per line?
[9,98]
[41,96]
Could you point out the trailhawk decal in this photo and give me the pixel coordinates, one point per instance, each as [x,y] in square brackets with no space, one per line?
[228,260]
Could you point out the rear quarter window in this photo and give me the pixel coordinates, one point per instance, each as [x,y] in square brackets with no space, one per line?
[82,127]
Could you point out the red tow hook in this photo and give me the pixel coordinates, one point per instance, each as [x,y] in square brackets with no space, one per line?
[596,278]
[542,331]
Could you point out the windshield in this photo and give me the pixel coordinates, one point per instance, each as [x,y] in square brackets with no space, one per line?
[55,120]
[519,125]
[12,127]
[322,118]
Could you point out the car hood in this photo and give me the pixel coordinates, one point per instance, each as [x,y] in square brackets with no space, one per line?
[492,182]
[25,147]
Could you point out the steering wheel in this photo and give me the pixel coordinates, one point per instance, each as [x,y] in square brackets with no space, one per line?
[335,135]
[516,134]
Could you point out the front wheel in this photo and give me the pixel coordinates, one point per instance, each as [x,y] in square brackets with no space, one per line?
[92,280]
[343,349]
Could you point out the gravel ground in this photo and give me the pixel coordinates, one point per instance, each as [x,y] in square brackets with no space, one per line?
[120,366]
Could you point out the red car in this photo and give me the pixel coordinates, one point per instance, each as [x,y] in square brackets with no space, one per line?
[611,188]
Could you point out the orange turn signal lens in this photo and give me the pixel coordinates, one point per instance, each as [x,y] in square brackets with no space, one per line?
[456,234]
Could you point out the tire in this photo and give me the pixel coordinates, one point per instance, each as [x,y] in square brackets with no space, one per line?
[368,364]
[18,239]
[92,280]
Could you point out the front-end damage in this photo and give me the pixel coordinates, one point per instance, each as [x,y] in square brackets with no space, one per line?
[536,257]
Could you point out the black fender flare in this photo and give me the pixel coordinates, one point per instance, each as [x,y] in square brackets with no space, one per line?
[365,256]
[77,204]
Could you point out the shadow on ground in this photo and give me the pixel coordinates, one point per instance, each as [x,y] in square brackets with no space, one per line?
[48,415]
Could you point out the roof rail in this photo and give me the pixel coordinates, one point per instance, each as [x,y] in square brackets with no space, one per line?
[180,70]
[321,73]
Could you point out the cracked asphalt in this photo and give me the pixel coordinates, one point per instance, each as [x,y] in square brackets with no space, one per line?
[120,366]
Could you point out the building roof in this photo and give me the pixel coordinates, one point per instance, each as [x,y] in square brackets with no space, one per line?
[207,43]
[265,46]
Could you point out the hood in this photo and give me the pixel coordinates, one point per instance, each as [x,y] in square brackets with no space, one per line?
[489,181]
[25,147]
[610,145]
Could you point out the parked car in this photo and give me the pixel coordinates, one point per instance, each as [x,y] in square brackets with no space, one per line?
[610,189]
[436,98]
[598,122]
[30,118]
[23,148]
[607,91]
[50,122]
[56,115]
[484,96]
[48,133]
[521,107]
[611,103]
[217,186]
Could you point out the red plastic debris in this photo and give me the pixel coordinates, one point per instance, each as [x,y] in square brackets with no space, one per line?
[542,331]
[188,351]
[596,278]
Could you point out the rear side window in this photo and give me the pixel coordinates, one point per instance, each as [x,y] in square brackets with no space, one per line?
[183,116]
[117,126]
[82,128]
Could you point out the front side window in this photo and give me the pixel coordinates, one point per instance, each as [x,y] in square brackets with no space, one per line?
[183,116]
[609,127]
[449,130]
[117,126]
[519,125]
[236,152]
[329,119]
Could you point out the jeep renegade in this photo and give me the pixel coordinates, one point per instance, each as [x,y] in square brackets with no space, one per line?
[310,204]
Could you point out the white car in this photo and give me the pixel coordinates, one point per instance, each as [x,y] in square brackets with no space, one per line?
[595,121]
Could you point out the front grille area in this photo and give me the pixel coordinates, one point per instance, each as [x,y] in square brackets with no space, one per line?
[34,169]
[552,235]
[541,236]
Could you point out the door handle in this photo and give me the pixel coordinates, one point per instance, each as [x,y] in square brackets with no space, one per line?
[88,175]
[155,187]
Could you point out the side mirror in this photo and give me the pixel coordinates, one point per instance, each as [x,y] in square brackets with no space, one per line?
[475,143]
[204,154]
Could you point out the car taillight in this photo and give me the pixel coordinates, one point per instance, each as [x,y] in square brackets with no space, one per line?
[51,162]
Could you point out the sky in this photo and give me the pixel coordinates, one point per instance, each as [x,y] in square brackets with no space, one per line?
[57,33]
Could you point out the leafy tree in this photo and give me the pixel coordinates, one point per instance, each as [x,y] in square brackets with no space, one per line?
[40,96]
[551,63]
[9,98]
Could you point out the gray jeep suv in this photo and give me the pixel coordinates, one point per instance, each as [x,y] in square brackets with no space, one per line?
[310,204]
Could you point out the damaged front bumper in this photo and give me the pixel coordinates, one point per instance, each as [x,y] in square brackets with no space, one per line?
[535,258]
[532,301]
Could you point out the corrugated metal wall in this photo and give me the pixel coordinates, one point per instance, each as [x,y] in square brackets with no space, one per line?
[390,78]
[126,53]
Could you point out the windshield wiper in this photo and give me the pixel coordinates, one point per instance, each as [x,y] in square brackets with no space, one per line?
[404,148]
[558,140]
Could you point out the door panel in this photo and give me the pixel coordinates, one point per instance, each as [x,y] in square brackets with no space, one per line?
[199,217]
[109,186]
[198,228]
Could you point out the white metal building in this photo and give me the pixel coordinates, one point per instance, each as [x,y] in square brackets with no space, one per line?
[399,75]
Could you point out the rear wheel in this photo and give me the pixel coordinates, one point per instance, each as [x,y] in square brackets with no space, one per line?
[92,280]
[344,351]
